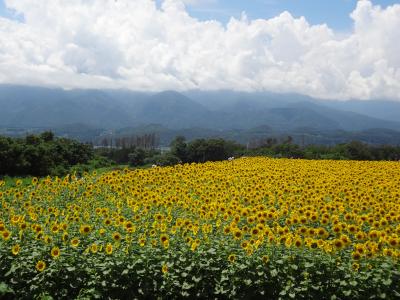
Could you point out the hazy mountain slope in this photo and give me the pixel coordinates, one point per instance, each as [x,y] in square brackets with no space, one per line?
[22,106]
[347,120]
[174,110]
[300,136]
[223,100]
[381,109]
[294,110]
[41,107]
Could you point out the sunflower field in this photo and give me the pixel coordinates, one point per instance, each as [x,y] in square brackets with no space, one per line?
[250,228]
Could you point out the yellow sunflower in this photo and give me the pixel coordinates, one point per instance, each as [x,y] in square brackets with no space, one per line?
[232,258]
[40,266]
[85,229]
[164,269]
[109,249]
[15,249]
[55,252]
[74,242]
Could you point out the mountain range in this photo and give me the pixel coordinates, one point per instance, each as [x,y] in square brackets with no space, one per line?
[224,113]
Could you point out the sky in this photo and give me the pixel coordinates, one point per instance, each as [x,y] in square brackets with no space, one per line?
[342,49]
[336,13]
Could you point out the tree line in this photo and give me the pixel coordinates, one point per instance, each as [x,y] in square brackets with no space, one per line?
[354,150]
[146,141]
[45,154]
[201,150]
[41,155]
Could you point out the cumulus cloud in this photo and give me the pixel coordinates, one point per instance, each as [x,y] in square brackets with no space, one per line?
[199,2]
[138,45]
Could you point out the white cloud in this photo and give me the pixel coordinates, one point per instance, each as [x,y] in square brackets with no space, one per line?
[133,44]
[199,2]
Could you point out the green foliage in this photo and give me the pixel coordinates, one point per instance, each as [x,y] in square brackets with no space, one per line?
[358,151]
[201,150]
[119,156]
[354,150]
[100,162]
[179,148]
[137,157]
[41,155]
[123,155]
[5,291]
[163,160]
[97,162]
[288,150]
[204,274]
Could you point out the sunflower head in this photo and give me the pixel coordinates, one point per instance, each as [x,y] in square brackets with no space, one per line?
[164,269]
[244,245]
[74,242]
[94,248]
[238,234]
[356,266]
[55,252]
[109,249]
[116,236]
[338,243]
[163,238]
[54,228]
[15,249]
[356,255]
[40,266]
[6,235]
[85,229]
[265,259]
[298,243]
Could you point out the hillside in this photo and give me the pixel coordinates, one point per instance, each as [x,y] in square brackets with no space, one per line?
[87,113]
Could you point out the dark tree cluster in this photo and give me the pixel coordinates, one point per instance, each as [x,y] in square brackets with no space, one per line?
[133,150]
[135,156]
[146,141]
[41,155]
[44,154]
[202,150]
[354,150]
[199,150]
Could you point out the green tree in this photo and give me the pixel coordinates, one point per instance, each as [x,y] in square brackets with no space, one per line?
[40,155]
[47,136]
[358,151]
[162,160]
[197,151]
[179,148]
[136,158]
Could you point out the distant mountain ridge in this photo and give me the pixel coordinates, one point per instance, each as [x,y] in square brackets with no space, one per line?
[29,107]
